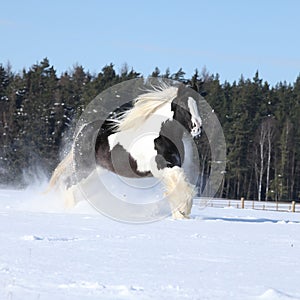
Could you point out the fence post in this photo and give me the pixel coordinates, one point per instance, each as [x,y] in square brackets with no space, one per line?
[293,206]
[242,202]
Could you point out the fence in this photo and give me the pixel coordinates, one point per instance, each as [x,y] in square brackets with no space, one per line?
[249,204]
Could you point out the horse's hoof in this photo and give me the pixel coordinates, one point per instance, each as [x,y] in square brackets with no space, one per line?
[178,215]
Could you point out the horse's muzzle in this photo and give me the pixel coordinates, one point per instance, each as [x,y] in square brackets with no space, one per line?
[196,128]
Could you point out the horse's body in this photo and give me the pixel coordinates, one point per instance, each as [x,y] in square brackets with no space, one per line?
[149,140]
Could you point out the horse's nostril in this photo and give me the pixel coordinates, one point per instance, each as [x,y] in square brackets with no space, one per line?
[194,126]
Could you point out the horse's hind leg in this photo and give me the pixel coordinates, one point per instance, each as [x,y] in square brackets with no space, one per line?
[69,187]
[179,191]
[83,189]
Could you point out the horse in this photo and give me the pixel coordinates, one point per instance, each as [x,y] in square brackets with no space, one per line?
[147,138]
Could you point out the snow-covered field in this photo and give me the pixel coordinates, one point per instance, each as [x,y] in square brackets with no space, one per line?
[47,253]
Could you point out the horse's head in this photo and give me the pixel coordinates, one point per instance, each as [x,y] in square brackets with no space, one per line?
[186,111]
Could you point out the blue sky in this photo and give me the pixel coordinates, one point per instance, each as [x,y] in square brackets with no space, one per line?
[228,37]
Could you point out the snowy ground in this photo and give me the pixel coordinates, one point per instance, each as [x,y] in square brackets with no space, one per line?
[46,253]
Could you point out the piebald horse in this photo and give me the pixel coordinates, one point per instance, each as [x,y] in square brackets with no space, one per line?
[146,139]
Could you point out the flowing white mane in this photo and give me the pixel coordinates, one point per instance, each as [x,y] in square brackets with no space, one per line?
[145,105]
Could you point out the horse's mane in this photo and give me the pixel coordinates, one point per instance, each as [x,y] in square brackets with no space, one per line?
[145,105]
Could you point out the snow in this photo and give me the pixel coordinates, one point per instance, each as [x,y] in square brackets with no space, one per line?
[220,253]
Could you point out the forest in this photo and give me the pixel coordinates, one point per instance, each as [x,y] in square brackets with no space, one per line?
[39,108]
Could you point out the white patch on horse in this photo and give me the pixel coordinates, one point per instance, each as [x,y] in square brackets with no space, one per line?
[196,119]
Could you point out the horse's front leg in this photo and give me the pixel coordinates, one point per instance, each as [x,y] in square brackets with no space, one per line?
[179,191]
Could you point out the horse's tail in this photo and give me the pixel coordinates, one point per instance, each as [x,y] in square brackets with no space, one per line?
[60,170]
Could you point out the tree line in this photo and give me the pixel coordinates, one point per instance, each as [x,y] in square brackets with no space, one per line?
[38,109]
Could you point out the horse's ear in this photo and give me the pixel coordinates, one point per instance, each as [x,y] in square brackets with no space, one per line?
[181,90]
[179,97]
[181,94]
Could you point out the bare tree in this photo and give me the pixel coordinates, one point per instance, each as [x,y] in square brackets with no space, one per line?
[265,139]
[270,127]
